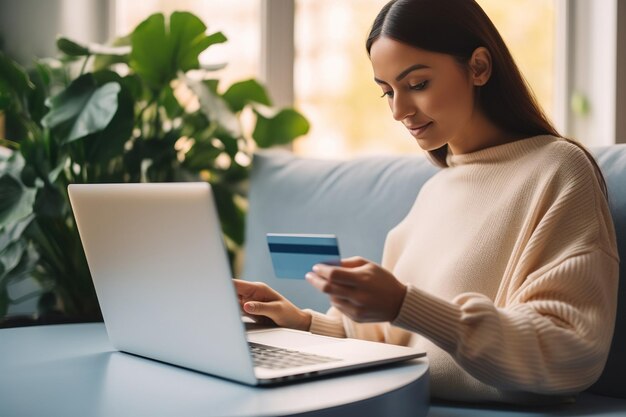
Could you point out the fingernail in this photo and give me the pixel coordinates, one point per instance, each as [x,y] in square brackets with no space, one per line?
[308,276]
[250,307]
[316,268]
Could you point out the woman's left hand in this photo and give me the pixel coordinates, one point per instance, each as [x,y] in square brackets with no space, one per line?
[360,289]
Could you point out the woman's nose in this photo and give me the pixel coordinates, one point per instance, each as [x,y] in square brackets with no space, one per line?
[402,107]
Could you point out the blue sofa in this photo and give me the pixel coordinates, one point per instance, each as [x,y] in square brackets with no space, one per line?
[360,201]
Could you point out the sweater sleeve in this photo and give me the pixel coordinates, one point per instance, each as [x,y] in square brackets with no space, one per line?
[553,339]
[329,324]
[336,324]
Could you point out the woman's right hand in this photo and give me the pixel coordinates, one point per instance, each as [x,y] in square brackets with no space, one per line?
[261,303]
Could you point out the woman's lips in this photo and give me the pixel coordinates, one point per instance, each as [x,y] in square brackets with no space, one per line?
[419,129]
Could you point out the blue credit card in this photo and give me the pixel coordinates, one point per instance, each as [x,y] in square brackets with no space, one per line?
[293,255]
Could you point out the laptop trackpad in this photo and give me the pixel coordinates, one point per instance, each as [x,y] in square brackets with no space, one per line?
[289,339]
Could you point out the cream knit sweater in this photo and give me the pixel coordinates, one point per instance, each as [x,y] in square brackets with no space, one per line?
[512,268]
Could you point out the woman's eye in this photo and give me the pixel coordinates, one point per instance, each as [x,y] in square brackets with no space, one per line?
[387,94]
[419,86]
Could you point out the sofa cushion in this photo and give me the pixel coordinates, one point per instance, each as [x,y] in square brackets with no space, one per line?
[612,161]
[361,200]
[586,405]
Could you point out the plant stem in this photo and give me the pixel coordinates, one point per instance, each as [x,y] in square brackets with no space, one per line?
[82,69]
[9,144]
[157,121]
[83,163]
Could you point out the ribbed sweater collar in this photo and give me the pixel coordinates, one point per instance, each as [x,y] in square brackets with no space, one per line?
[500,153]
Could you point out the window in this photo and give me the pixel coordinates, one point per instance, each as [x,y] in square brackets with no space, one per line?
[333,79]
[334,86]
[564,49]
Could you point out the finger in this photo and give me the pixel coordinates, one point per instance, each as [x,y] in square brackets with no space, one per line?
[325,286]
[271,309]
[258,290]
[315,280]
[353,262]
[337,274]
[244,288]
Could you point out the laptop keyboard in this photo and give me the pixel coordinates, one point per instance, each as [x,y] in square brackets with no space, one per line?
[277,358]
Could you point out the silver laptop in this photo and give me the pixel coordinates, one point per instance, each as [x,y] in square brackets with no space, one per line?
[163,281]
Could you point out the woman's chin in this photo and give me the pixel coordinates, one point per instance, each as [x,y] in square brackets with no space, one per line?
[429,145]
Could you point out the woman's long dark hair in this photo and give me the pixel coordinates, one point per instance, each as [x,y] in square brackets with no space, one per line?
[457,28]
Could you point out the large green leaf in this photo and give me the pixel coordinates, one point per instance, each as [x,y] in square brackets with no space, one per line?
[158,53]
[10,193]
[98,112]
[109,143]
[244,92]
[105,55]
[82,108]
[150,57]
[15,86]
[133,84]
[71,48]
[40,77]
[14,75]
[188,40]
[10,257]
[13,232]
[280,129]
[16,202]
[23,269]
[104,145]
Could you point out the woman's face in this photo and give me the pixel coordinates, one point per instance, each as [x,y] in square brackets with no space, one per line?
[430,93]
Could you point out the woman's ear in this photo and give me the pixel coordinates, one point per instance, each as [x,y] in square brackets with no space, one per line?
[480,66]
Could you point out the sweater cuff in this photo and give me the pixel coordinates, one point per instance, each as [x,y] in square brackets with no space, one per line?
[325,325]
[430,316]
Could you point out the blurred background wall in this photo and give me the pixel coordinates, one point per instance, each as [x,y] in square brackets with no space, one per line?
[28,28]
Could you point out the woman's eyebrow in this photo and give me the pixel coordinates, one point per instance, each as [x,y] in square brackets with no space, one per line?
[404,73]
[409,70]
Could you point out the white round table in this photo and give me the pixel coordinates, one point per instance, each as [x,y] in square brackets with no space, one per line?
[72,370]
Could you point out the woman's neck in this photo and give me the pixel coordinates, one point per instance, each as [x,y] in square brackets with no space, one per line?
[480,134]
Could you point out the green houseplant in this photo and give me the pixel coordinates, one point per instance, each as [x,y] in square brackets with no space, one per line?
[140,110]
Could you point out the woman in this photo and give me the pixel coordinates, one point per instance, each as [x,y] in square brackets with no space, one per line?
[505,269]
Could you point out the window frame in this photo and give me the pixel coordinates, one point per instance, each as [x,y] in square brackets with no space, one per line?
[592,53]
